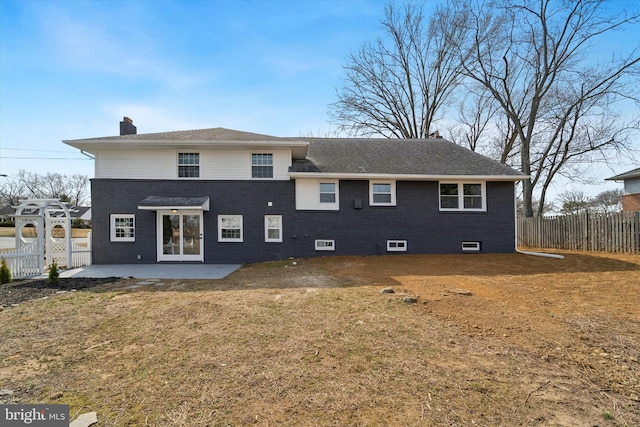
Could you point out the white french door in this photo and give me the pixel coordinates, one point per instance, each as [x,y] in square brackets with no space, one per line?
[180,235]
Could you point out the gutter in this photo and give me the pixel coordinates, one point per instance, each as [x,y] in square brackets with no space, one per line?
[87,154]
[541,254]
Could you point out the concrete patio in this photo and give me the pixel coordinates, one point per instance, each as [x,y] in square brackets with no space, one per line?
[153,271]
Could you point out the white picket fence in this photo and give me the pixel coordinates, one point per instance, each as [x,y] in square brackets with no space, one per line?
[29,261]
[25,262]
[80,253]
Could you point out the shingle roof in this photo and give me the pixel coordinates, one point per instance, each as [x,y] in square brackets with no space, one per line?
[425,157]
[432,157]
[635,173]
[212,134]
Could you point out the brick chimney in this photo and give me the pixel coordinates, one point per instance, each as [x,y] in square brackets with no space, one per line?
[127,127]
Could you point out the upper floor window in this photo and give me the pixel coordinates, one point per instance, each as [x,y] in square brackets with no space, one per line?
[462,196]
[382,193]
[188,165]
[261,165]
[327,192]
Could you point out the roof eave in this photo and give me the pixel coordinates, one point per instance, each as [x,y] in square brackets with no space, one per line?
[406,177]
[299,149]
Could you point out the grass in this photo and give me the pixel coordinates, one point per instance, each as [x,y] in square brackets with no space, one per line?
[317,344]
[30,232]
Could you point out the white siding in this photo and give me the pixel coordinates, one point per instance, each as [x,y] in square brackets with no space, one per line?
[308,195]
[162,163]
[134,164]
[632,186]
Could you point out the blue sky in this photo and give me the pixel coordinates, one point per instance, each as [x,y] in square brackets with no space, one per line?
[72,69]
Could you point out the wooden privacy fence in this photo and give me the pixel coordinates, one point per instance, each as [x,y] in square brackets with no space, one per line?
[611,232]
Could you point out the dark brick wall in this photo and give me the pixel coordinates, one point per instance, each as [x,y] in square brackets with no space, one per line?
[364,231]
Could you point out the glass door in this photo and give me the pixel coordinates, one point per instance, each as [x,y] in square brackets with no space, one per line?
[180,236]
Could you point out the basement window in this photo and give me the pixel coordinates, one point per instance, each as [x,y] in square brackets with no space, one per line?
[470,246]
[325,245]
[396,245]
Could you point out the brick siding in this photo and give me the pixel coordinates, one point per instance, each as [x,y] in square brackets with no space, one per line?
[365,231]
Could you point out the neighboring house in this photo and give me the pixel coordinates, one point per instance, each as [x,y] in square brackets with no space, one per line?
[6,212]
[82,213]
[631,197]
[78,212]
[225,196]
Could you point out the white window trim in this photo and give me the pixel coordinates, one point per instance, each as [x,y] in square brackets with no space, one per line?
[273,165]
[471,246]
[178,164]
[112,226]
[336,192]
[325,245]
[393,192]
[266,228]
[396,245]
[227,239]
[461,208]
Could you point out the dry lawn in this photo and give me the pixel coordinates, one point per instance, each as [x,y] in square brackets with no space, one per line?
[31,232]
[538,342]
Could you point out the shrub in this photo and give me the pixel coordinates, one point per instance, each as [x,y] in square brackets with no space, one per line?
[5,274]
[54,274]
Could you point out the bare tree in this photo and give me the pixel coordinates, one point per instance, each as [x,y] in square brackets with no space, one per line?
[73,189]
[11,192]
[77,189]
[609,200]
[475,114]
[560,111]
[396,87]
[574,202]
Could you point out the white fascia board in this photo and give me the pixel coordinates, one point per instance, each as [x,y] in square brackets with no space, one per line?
[298,148]
[411,177]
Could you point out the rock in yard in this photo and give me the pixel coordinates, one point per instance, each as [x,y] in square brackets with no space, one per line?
[387,291]
[85,420]
[410,300]
[460,291]
[56,395]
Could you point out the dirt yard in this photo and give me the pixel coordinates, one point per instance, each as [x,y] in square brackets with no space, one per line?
[490,340]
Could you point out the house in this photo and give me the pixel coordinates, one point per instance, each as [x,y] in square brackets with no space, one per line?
[6,212]
[631,197]
[224,196]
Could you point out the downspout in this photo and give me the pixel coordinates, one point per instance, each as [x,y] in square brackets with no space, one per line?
[515,216]
[87,154]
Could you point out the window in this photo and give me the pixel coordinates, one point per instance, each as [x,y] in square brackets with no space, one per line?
[230,228]
[396,245]
[188,165]
[325,245]
[261,165]
[327,192]
[470,246]
[382,193]
[273,228]
[123,228]
[472,196]
[462,196]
